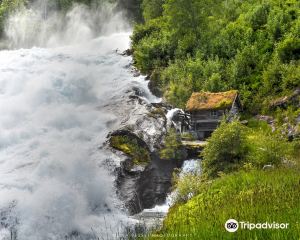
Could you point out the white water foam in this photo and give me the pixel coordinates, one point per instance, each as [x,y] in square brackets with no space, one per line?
[51,125]
[191,166]
[43,26]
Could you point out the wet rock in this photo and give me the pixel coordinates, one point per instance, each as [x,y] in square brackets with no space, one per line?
[146,188]
[127,52]
[144,185]
[194,148]
[155,83]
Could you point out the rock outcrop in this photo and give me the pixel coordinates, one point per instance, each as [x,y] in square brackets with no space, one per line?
[143,179]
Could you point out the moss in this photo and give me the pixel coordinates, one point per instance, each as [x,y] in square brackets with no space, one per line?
[130,146]
[223,104]
[207,100]
[157,113]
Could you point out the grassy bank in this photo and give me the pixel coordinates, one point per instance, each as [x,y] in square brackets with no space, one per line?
[255,196]
[250,174]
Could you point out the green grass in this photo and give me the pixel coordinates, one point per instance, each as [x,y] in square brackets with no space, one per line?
[255,196]
[140,155]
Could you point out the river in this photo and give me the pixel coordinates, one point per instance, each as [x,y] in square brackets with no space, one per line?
[57,105]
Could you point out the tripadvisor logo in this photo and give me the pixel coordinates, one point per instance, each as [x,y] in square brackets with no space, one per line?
[233,225]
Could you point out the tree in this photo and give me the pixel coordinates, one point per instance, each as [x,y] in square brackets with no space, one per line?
[172,149]
[152,9]
[185,21]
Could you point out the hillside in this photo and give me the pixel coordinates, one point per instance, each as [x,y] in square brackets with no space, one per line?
[250,173]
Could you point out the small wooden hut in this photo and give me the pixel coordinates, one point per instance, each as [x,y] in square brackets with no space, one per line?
[207,109]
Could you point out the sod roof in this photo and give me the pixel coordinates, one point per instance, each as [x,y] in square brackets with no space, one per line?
[211,101]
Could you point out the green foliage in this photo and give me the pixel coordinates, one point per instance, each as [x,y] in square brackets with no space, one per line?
[289,49]
[186,187]
[258,17]
[233,145]
[152,9]
[131,147]
[266,148]
[254,196]
[251,46]
[183,77]
[226,149]
[6,7]
[172,149]
[151,47]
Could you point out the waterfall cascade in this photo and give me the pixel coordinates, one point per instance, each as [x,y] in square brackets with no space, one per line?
[59,98]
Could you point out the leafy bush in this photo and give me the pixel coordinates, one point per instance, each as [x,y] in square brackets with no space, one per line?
[289,49]
[188,136]
[172,149]
[267,148]
[233,145]
[186,187]
[152,9]
[226,149]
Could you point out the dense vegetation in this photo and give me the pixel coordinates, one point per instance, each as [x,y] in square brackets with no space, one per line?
[233,146]
[249,173]
[252,46]
[254,196]
[214,45]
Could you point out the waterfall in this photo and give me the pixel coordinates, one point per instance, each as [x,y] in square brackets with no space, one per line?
[61,92]
[42,25]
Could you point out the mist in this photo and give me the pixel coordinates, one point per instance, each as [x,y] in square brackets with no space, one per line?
[54,83]
[42,25]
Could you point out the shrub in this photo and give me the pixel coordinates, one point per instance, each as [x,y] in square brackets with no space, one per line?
[233,145]
[266,148]
[152,9]
[226,149]
[289,49]
[186,187]
[172,149]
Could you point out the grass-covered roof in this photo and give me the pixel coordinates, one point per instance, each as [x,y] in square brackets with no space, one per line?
[207,100]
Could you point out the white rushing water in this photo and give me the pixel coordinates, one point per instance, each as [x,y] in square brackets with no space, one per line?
[152,218]
[53,119]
